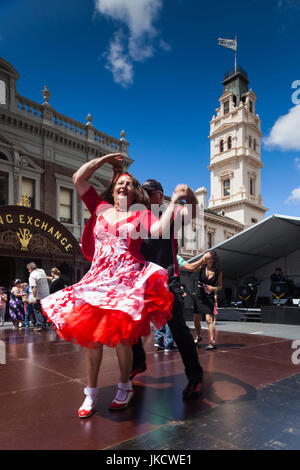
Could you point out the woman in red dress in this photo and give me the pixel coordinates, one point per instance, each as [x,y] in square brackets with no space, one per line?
[115,301]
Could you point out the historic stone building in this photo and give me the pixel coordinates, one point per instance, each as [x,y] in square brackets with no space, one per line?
[40,149]
[235,157]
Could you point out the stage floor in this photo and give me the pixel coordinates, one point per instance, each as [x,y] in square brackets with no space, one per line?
[250,396]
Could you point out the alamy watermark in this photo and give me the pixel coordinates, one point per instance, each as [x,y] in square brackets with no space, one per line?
[296,94]
[296,353]
[2,352]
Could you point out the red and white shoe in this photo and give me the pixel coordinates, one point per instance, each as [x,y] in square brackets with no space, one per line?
[123,397]
[87,408]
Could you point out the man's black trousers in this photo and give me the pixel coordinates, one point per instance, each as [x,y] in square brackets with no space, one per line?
[182,337]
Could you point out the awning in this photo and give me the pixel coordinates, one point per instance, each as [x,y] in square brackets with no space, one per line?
[274,237]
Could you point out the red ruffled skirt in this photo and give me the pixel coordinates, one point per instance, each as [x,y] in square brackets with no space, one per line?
[115,302]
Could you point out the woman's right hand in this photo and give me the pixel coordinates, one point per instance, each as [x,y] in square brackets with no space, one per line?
[115,160]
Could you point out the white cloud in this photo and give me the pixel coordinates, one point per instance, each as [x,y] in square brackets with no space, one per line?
[285,133]
[165,46]
[118,62]
[297,163]
[294,196]
[133,41]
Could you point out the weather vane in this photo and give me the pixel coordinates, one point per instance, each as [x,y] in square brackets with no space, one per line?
[230,44]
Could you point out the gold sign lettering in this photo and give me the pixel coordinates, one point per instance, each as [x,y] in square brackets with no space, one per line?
[24,234]
[57,235]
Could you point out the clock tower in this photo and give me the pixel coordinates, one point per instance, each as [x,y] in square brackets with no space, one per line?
[235,153]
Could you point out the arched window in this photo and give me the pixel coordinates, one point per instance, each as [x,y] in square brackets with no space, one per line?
[254,145]
[250,141]
[3,156]
[229,143]
[222,145]
[3,189]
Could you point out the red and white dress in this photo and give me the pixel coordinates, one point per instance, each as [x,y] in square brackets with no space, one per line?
[118,297]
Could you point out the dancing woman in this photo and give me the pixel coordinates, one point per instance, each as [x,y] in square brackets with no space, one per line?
[210,283]
[115,301]
[205,293]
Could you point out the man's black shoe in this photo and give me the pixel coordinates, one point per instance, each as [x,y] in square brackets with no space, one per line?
[193,389]
[137,370]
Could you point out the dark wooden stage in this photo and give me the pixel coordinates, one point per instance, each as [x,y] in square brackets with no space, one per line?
[250,397]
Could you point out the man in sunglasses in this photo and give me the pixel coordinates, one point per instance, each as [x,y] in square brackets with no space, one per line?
[163,252]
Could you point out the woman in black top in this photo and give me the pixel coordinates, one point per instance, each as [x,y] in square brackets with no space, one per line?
[57,282]
[205,295]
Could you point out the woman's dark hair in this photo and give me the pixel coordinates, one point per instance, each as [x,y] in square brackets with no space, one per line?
[141,196]
[216,262]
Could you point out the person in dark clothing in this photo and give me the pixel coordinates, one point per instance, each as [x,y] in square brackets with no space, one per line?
[277,276]
[57,282]
[163,252]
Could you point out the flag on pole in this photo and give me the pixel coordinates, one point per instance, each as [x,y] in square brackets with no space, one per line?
[229,43]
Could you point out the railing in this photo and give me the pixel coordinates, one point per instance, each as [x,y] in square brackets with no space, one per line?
[68,125]
[107,141]
[31,107]
[232,72]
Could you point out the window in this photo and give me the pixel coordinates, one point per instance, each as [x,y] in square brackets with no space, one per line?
[222,146]
[226,188]
[226,107]
[2,92]
[3,156]
[65,205]
[254,221]
[252,186]
[250,141]
[86,214]
[250,106]
[254,145]
[229,143]
[3,189]
[28,192]
[210,239]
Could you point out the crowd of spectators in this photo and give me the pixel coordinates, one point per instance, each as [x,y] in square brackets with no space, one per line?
[20,303]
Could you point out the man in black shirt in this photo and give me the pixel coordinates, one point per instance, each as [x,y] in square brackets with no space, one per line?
[163,252]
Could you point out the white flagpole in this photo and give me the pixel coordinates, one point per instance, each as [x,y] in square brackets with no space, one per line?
[235,56]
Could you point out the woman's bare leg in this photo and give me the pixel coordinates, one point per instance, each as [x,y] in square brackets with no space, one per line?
[197,324]
[93,359]
[211,328]
[124,353]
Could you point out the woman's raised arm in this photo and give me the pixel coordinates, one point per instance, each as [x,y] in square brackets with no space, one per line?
[82,175]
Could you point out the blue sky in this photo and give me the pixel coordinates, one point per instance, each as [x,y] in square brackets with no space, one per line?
[154,69]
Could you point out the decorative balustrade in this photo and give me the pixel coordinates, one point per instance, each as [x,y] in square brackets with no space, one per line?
[30,107]
[107,141]
[45,113]
[68,125]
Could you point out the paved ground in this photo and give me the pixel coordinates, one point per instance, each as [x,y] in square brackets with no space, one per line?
[265,329]
[250,397]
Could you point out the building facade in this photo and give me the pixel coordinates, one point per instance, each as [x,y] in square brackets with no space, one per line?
[235,153]
[40,149]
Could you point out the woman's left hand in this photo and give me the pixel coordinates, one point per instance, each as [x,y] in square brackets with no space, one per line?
[209,289]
